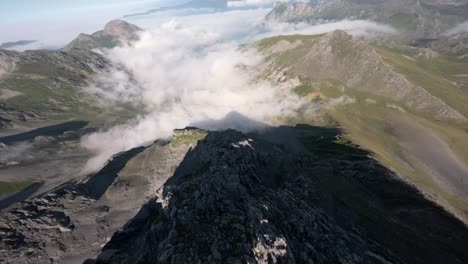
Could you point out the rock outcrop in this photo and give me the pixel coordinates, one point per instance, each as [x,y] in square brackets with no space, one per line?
[115,33]
[71,222]
[246,199]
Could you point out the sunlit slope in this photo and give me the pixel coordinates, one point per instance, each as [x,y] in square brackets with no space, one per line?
[407,105]
[49,85]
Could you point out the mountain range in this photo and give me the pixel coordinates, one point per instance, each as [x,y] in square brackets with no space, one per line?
[414,19]
[8,45]
[376,174]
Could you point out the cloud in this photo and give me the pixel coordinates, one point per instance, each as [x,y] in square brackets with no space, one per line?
[353,27]
[190,70]
[460,28]
[250,3]
[182,75]
[256,3]
[54,23]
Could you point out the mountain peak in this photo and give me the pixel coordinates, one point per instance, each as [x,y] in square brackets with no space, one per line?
[119,28]
[115,33]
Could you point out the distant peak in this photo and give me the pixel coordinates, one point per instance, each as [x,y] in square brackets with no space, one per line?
[115,33]
[121,28]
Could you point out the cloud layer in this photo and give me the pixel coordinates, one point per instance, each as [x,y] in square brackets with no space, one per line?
[190,71]
[463,27]
[182,75]
[249,3]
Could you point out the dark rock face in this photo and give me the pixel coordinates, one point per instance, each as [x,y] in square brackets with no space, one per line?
[245,199]
[71,222]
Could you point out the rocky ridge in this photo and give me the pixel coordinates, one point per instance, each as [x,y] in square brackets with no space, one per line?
[237,198]
[73,221]
[115,33]
[335,55]
[414,19]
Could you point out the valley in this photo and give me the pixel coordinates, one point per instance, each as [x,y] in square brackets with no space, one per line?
[183,144]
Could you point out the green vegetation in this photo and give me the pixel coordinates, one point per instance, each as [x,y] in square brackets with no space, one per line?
[187,137]
[13,187]
[432,74]
[269,42]
[370,120]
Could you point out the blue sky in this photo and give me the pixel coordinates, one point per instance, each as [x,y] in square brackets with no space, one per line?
[56,22]
[29,10]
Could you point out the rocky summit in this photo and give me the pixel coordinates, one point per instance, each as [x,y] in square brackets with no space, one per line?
[238,198]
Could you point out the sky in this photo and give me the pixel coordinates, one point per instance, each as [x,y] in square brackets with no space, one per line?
[56,22]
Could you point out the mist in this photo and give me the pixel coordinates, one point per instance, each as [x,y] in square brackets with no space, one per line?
[460,28]
[190,70]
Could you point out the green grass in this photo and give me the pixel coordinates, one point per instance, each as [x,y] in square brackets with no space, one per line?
[13,187]
[367,124]
[188,137]
[270,42]
[432,75]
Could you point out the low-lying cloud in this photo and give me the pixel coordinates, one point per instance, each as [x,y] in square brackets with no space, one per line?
[183,75]
[249,3]
[191,70]
[463,27]
[353,27]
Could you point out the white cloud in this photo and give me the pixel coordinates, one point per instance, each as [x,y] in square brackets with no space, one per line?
[190,70]
[460,28]
[353,27]
[249,3]
[183,75]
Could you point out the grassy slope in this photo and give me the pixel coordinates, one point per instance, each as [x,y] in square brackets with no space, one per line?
[435,75]
[13,187]
[367,123]
[51,90]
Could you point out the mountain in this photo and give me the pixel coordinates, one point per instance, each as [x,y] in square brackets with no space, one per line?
[391,99]
[114,33]
[285,194]
[248,198]
[45,85]
[69,223]
[8,45]
[414,19]
[218,5]
[376,173]
[333,55]
[454,45]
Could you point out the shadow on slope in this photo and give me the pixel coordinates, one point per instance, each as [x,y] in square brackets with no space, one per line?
[53,130]
[20,196]
[290,194]
[98,184]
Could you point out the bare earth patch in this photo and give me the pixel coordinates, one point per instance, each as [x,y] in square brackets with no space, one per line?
[7,94]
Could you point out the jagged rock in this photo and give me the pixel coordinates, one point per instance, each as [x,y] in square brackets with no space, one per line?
[242,199]
[70,223]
